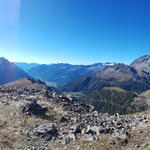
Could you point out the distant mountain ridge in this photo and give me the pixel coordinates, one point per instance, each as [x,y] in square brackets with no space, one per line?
[94,77]
[121,72]
[26,66]
[10,72]
[60,74]
[118,75]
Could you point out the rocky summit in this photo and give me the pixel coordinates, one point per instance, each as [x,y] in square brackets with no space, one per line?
[142,63]
[35,117]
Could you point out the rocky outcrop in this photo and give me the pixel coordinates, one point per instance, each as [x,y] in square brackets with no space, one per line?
[46,131]
[142,63]
[34,108]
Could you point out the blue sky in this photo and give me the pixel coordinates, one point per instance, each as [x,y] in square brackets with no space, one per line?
[74,31]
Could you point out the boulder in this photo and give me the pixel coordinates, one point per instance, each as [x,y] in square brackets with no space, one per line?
[92,130]
[63,119]
[76,128]
[34,108]
[46,131]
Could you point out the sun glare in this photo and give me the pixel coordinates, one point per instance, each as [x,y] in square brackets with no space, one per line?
[10,12]
[13,11]
[9,16]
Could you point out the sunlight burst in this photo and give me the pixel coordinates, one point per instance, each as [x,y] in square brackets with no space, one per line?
[13,11]
[9,23]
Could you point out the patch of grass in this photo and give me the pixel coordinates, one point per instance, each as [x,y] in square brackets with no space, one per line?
[7,139]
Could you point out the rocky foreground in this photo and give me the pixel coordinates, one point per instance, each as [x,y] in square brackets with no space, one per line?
[35,117]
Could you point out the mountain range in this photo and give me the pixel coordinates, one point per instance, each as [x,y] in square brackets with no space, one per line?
[92,77]
[118,75]
[91,83]
[60,74]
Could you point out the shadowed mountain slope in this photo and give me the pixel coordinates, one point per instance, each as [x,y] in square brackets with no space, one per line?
[10,72]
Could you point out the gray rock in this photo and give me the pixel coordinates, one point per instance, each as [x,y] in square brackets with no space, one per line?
[76,128]
[34,108]
[63,119]
[71,136]
[92,130]
[64,141]
[46,131]
[91,138]
[29,148]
